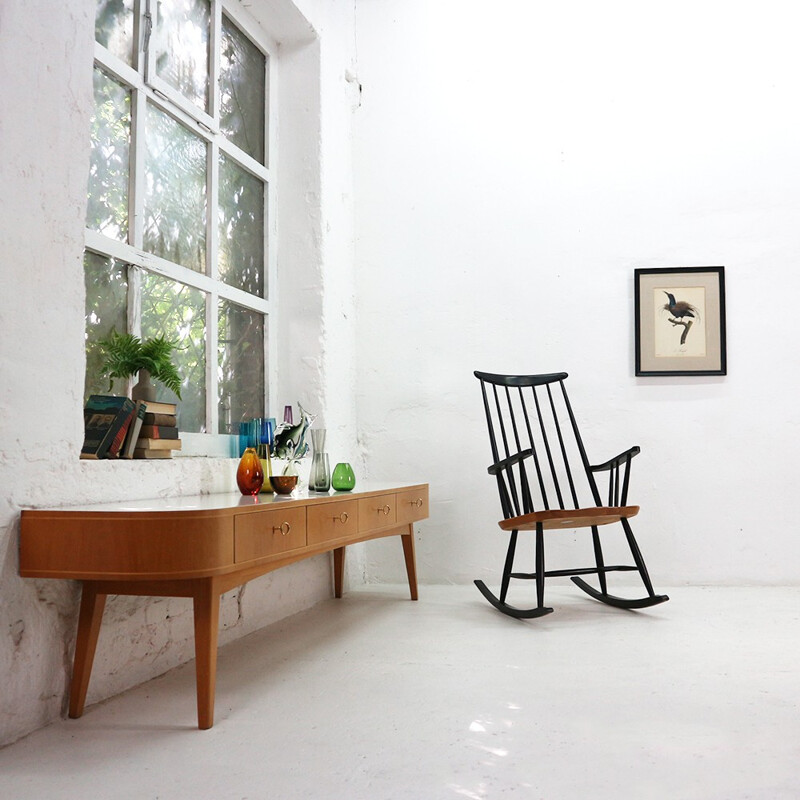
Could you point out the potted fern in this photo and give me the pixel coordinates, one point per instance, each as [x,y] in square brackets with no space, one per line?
[125,355]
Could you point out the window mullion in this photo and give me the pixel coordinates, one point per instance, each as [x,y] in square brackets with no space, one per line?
[214,61]
[271,231]
[137,170]
[212,336]
[136,185]
[134,300]
[139,29]
[212,212]
[148,67]
[212,229]
[212,301]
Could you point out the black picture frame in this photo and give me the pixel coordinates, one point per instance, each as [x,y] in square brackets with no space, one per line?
[679,321]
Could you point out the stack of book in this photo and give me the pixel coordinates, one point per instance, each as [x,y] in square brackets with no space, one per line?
[116,427]
[158,437]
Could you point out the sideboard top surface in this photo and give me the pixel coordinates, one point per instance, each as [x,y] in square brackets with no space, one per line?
[223,502]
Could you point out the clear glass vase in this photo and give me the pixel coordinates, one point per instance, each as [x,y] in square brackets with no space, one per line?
[320,478]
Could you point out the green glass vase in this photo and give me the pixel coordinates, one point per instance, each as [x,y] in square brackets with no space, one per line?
[343,478]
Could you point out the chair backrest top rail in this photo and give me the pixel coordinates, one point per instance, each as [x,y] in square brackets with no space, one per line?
[520,380]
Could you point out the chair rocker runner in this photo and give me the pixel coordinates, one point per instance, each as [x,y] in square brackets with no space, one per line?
[532,431]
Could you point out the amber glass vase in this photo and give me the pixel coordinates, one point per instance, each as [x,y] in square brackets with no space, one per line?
[250,474]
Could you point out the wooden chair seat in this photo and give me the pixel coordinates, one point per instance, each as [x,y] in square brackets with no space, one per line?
[569,518]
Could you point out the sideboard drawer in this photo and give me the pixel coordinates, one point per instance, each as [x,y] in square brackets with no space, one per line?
[258,534]
[330,521]
[412,505]
[376,512]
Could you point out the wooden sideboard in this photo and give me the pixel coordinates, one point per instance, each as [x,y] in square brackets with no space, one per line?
[201,547]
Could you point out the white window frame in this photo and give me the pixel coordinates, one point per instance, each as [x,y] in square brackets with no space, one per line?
[131,252]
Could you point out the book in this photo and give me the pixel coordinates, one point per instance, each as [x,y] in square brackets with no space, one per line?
[162,408]
[115,448]
[160,419]
[103,418]
[141,452]
[146,443]
[134,430]
[159,431]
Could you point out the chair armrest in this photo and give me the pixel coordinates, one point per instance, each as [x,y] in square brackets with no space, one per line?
[509,462]
[617,460]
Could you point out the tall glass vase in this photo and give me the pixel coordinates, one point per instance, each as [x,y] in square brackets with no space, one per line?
[266,467]
[320,478]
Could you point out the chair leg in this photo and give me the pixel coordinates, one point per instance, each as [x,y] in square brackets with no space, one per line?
[598,557]
[512,548]
[652,598]
[500,603]
[637,557]
[539,565]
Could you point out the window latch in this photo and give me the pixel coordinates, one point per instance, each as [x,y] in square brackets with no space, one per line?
[148,30]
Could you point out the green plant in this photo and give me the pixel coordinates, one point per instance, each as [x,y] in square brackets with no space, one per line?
[125,354]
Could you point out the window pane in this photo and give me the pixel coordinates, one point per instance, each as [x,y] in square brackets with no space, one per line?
[175,192]
[241,228]
[178,312]
[107,210]
[106,282]
[242,87]
[182,36]
[113,27]
[240,366]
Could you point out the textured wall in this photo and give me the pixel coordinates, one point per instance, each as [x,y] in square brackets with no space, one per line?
[514,164]
[44,140]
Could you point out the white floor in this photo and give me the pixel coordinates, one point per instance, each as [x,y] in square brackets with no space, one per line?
[377,697]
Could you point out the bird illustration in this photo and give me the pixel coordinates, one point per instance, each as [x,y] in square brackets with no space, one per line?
[678,310]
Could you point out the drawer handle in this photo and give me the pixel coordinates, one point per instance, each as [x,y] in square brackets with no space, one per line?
[284,529]
[385,510]
[416,503]
[343,517]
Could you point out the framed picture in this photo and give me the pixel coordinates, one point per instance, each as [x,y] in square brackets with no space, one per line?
[680,321]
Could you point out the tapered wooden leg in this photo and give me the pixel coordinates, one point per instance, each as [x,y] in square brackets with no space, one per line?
[338,571]
[206,631]
[89,619]
[411,562]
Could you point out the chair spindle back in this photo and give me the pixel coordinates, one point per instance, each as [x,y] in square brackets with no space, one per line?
[531,422]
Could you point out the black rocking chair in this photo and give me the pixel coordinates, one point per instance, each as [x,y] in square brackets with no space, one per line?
[525,415]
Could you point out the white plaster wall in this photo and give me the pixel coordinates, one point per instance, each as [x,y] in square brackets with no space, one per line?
[515,162]
[44,126]
[318,309]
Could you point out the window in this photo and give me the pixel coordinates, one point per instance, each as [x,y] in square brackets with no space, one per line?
[180,186]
